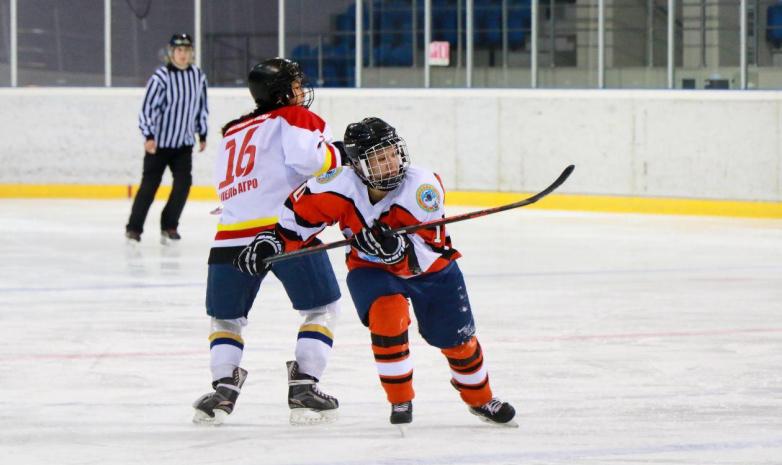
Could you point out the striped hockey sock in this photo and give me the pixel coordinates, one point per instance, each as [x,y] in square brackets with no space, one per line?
[468,374]
[388,322]
[225,350]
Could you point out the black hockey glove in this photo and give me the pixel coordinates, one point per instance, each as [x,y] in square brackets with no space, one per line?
[343,155]
[378,242]
[250,259]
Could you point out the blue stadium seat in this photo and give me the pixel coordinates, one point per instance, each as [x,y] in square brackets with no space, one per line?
[383,55]
[350,12]
[308,60]
[331,73]
[300,51]
[394,55]
[488,23]
[396,21]
[774,24]
[444,20]
[402,54]
[346,29]
[345,59]
[519,17]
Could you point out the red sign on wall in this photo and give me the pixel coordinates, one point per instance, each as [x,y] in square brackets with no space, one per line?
[439,53]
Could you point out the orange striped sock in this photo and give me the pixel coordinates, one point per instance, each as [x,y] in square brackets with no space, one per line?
[389,319]
[468,374]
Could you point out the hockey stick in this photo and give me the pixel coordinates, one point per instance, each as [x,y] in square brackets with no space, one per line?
[434,223]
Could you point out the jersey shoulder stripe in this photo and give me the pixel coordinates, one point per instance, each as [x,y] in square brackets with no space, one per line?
[245,124]
[300,117]
[311,206]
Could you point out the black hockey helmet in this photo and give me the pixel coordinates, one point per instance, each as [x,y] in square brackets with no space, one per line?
[270,83]
[180,40]
[367,145]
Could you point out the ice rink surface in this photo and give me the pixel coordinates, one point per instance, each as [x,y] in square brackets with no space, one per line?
[620,339]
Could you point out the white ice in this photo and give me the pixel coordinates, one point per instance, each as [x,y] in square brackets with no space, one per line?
[620,339]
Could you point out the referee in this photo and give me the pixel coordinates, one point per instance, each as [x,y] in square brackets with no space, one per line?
[173,112]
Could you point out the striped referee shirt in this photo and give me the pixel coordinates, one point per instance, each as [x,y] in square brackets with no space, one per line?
[175,106]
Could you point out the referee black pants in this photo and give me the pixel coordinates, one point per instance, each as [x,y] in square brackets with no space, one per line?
[180,160]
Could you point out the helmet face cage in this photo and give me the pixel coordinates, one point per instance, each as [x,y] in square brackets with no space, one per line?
[291,73]
[308,93]
[383,166]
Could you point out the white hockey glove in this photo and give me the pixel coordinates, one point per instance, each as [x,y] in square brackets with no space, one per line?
[250,260]
[378,242]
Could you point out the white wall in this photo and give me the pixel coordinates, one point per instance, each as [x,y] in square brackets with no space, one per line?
[692,144]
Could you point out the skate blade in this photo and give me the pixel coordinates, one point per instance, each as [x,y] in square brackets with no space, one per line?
[510,424]
[305,416]
[201,418]
[168,242]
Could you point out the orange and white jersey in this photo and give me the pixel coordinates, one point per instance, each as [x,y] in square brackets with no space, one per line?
[339,196]
[261,160]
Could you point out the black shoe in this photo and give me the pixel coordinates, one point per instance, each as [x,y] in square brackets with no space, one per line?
[168,236]
[133,237]
[308,404]
[401,413]
[495,411]
[214,407]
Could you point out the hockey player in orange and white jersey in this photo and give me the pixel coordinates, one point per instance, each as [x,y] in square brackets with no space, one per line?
[381,192]
[263,156]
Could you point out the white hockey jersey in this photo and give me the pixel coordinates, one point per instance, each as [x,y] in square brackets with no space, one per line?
[339,196]
[261,160]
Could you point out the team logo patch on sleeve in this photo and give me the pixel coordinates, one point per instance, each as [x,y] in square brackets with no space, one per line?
[328,175]
[428,197]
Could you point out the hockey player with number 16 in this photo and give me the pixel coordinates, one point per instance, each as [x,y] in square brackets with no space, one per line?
[379,192]
[263,156]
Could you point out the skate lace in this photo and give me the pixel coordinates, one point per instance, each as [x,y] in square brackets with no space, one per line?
[321,393]
[403,407]
[493,406]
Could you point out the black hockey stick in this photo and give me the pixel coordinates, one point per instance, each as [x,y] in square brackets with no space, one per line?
[430,224]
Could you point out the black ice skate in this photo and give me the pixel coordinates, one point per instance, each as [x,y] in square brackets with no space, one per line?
[213,408]
[307,403]
[132,237]
[169,237]
[496,412]
[401,413]
[402,416]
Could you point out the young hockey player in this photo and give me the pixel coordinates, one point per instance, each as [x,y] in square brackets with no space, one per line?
[263,156]
[380,192]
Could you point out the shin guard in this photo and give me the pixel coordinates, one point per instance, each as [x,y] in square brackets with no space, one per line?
[225,346]
[389,318]
[315,339]
[469,376]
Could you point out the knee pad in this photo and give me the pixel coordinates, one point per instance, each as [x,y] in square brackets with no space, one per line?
[233,326]
[389,315]
[227,332]
[325,316]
